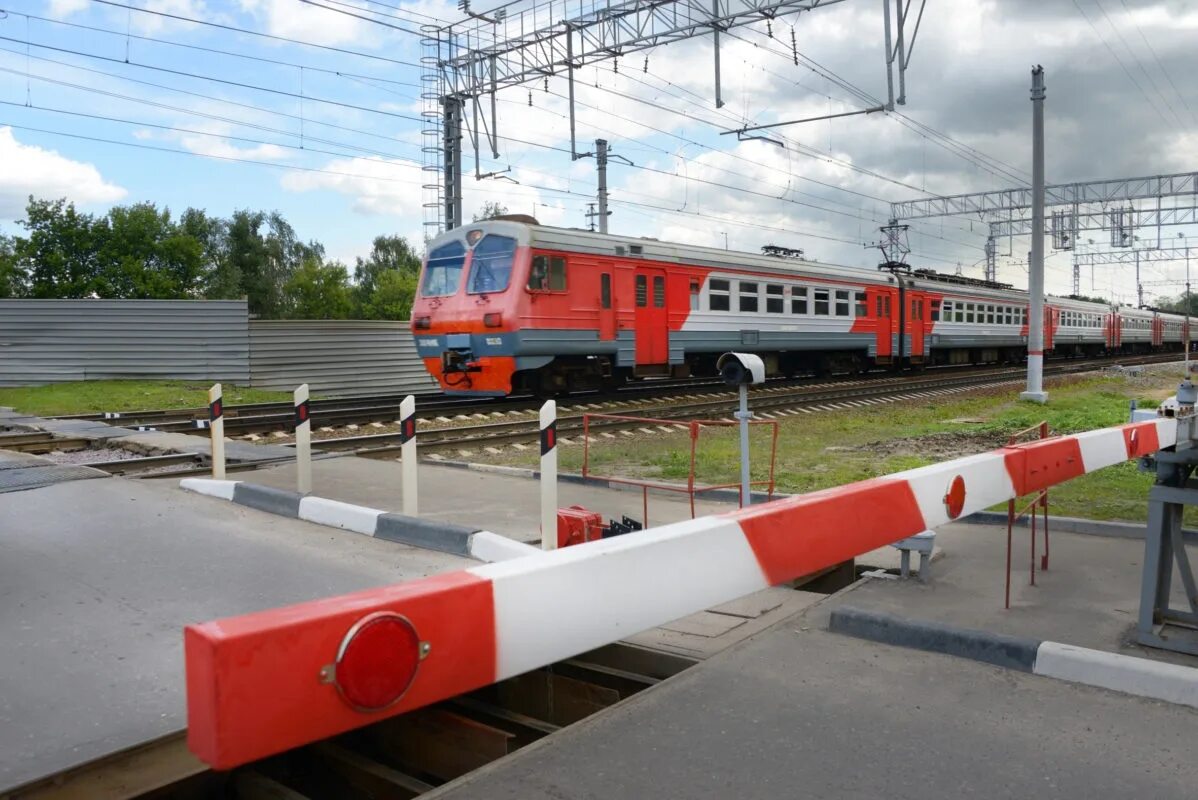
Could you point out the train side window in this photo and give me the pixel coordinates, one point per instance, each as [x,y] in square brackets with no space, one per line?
[605,290]
[879,306]
[861,308]
[989,315]
[642,291]
[935,311]
[694,295]
[798,300]
[659,291]
[718,295]
[548,274]
[969,312]
[774,302]
[842,302]
[821,302]
[747,292]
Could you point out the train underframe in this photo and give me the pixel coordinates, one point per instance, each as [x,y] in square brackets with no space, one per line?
[568,374]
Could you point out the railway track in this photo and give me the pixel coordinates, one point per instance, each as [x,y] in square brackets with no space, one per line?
[464,434]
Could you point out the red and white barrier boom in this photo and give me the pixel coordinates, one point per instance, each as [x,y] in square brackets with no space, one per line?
[266,682]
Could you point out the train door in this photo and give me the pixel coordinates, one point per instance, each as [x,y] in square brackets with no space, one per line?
[1111,323]
[916,321]
[1158,331]
[652,320]
[607,311]
[1052,317]
[884,313]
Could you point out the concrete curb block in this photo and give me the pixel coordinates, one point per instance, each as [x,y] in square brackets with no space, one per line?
[1158,680]
[267,498]
[1172,683]
[1002,651]
[487,546]
[445,537]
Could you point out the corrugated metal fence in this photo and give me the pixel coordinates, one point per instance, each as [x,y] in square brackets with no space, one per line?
[52,341]
[336,357]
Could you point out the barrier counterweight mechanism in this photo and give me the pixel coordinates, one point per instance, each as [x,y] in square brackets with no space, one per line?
[1160,625]
[216,428]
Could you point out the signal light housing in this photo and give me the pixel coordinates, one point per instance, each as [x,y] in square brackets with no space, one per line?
[376,662]
[493,320]
[424,323]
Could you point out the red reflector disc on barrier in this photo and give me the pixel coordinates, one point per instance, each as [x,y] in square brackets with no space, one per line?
[954,499]
[377,661]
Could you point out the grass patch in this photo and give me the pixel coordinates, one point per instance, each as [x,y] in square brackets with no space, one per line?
[87,397]
[825,449]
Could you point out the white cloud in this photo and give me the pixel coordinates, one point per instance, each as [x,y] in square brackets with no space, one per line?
[44,173]
[60,9]
[375,186]
[297,20]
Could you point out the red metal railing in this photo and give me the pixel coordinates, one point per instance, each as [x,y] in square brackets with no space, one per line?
[691,489]
[1039,501]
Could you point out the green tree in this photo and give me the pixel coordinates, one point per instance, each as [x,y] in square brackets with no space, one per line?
[490,210]
[392,296]
[59,255]
[12,275]
[144,255]
[220,279]
[385,282]
[319,291]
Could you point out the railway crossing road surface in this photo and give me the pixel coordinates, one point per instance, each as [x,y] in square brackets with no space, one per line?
[800,712]
[97,580]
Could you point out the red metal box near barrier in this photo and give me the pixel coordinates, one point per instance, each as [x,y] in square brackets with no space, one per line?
[576,525]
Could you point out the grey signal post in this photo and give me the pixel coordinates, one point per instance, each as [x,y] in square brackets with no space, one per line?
[1035,329]
[743,370]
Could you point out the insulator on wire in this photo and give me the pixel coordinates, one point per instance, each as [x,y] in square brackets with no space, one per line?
[530,98]
[645,68]
[615,65]
[794,46]
[546,85]
[769,29]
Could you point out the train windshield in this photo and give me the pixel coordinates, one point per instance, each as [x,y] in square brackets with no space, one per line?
[491,267]
[444,270]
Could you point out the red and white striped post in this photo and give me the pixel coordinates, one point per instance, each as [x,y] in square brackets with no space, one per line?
[549,475]
[303,441]
[407,453]
[216,430]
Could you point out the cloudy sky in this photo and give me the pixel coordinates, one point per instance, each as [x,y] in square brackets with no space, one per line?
[103,103]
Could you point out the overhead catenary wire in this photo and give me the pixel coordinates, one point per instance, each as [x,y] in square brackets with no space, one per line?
[249,32]
[213,50]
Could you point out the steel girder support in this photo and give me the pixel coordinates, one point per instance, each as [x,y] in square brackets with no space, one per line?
[1062,194]
[1130,256]
[1100,220]
[484,55]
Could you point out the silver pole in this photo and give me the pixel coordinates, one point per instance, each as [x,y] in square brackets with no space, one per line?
[1035,331]
[601,161]
[1187,357]
[746,496]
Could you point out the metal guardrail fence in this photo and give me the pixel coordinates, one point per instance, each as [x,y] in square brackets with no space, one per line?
[53,341]
[337,357]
